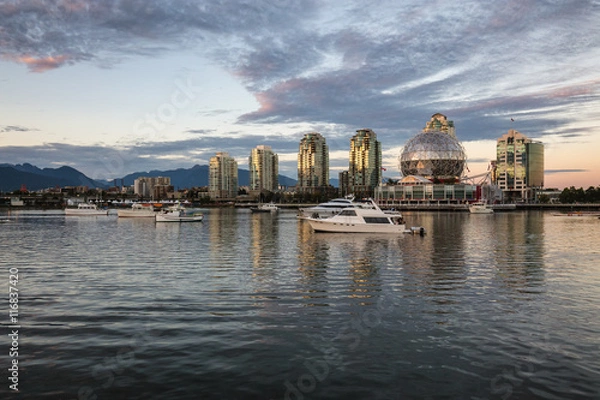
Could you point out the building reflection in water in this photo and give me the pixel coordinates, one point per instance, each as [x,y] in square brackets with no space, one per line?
[264,246]
[226,239]
[313,264]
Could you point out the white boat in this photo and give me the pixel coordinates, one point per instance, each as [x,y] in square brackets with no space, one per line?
[137,210]
[16,202]
[265,208]
[360,220]
[480,207]
[328,209]
[179,214]
[85,209]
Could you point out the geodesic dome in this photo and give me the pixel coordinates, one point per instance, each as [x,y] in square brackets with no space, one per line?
[433,155]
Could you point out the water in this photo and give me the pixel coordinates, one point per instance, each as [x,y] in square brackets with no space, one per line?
[257,306]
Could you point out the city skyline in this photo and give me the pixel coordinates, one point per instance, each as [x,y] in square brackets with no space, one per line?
[112,88]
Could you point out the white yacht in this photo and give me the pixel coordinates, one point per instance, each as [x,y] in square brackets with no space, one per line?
[137,210]
[178,213]
[328,209]
[85,209]
[360,220]
[480,207]
[265,208]
[16,202]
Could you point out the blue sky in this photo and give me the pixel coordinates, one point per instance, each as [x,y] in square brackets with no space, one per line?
[114,87]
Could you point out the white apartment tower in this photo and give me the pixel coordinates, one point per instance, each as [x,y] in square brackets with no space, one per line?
[264,169]
[223,177]
[519,169]
[313,163]
[364,171]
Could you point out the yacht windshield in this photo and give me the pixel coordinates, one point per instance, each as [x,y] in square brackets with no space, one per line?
[349,213]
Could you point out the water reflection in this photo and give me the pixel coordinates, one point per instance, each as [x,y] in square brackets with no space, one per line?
[264,233]
[518,253]
[478,307]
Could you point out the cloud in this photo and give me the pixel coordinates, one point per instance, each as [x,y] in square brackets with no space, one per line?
[48,33]
[43,64]
[108,162]
[562,171]
[200,131]
[338,66]
[15,128]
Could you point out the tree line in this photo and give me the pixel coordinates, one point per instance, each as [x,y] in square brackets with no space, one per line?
[572,195]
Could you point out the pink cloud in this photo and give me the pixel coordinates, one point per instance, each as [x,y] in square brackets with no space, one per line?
[43,64]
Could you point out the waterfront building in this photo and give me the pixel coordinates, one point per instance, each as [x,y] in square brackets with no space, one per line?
[432,163]
[364,170]
[222,177]
[519,167]
[313,163]
[264,169]
[144,186]
[419,190]
[435,153]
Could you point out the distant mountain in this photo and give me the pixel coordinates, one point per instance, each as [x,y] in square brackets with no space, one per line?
[34,178]
[197,176]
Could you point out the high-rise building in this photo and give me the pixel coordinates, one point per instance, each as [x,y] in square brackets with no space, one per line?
[223,177]
[264,169]
[343,185]
[440,123]
[364,172]
[313,163]
[519,167]
[144,185]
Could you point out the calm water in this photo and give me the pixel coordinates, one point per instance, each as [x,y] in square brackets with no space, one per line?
[245,306]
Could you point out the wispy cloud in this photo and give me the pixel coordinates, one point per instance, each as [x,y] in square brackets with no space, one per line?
[15,128]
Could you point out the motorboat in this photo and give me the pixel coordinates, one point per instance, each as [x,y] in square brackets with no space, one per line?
[179,214]
[265,208]
[16,202]
[85,209]
[369,219]
[480,207]
[137,210]
[328,209]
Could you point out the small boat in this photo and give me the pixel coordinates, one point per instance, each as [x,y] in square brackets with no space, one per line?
[265,208]
[85,209]
[362,220]
[137,210]
[16,202]
[480,207]
[327,209]
[179,214]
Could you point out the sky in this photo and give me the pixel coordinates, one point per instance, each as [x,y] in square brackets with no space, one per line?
[114,87]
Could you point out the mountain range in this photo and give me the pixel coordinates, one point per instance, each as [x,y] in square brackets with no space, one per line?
[12,177]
